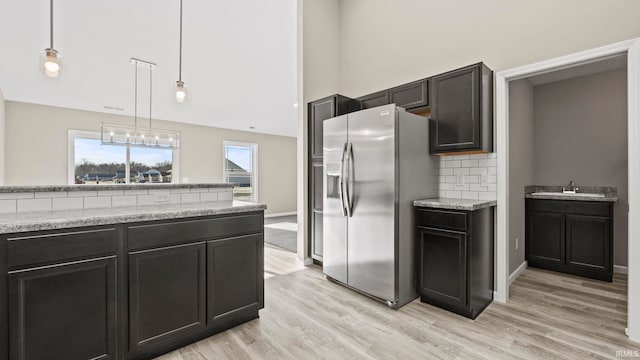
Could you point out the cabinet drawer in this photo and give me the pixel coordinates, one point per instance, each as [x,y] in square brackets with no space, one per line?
[592,208]
[162,234]
[442,219]
[35,249]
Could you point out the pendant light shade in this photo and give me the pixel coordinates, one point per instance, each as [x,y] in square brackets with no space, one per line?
[181,89]
[50,56]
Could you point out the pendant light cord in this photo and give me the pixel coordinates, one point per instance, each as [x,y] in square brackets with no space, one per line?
[150,94]
[51,23]
[180,66]
[135,102]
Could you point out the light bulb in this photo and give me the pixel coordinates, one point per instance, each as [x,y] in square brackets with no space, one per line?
[181,91]
[51,64]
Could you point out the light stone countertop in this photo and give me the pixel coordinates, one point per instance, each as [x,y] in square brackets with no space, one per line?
[51,188]
[49,220]
[610,193]
[455,204]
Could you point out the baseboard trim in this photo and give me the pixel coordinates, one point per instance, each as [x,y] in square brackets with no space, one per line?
[619,269]
[281,214]
[517,272]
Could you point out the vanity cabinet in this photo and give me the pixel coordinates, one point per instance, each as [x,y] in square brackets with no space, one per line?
[455,259]
[61,288]
[462,111]
[574,237]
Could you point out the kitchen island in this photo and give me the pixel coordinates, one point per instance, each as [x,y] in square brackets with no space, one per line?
[126,282]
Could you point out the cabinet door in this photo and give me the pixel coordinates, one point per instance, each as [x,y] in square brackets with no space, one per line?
[235,268]
[319,111]
[443,266]
[65,311]
[316,210]
[545,238]
[166,295]
[455,111]
[589,242]
[412,95]
[374,100]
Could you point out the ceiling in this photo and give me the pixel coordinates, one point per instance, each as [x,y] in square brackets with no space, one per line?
[239,59]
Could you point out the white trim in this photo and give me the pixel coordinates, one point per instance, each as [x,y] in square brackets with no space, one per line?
[281,214]
[619,269]
[254,165]
[632,48]
[633,103]
[517,272]
[502,223]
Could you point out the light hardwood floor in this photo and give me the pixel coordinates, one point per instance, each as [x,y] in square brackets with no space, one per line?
[549,316]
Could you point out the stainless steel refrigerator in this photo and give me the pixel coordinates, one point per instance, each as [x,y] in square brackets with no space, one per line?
[375,163]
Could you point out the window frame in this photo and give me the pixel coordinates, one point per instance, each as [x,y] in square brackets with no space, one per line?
[72,135]
[254,164]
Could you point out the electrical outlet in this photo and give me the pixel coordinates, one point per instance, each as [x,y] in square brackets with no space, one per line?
[517,243]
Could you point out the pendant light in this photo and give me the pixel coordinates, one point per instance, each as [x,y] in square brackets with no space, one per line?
[122,135]
[181,90]
[50,56]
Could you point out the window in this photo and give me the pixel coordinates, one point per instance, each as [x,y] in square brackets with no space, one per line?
[90,162]
[240,167]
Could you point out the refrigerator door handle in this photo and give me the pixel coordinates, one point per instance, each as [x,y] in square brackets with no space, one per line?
[349,182]
[341,179]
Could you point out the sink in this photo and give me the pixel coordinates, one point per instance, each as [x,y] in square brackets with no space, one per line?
[551,193]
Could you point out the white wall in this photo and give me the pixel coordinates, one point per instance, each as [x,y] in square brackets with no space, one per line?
[2,137]
[521,149]
[581,134]
[319,32]
[36,140]
[386,43]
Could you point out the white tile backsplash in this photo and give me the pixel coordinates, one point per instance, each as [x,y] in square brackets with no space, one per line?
[7,206]
[97,202]
[469,169]
[68,203]
[34,205]
[81,199]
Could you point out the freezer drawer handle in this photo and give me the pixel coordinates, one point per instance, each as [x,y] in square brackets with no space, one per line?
[341,177]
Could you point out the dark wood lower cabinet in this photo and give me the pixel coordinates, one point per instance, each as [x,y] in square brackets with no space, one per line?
[455,264]
[167,295]
[574,237]
[129,291]
[235,271]
[65,311]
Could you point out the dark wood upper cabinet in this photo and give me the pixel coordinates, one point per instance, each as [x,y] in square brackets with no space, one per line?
[412,95]
[462,110]
[321,110]
[374,100]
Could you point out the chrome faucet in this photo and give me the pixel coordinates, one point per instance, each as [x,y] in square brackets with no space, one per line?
[571,188]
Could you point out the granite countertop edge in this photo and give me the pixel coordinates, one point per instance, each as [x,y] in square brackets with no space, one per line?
[52,220]
[52,188]
[572,198]
[455,204]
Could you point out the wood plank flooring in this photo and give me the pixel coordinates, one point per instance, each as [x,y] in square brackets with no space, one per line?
[549,316]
